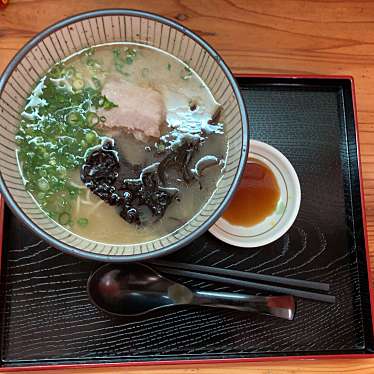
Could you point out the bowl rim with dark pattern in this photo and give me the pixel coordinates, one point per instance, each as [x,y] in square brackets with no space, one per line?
[64,247]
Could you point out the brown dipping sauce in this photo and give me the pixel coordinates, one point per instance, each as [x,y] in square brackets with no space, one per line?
[256,197]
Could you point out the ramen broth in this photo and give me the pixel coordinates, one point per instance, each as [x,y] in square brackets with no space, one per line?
[106,225]
[189,107]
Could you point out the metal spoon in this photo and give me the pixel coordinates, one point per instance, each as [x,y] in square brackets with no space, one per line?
[136,289]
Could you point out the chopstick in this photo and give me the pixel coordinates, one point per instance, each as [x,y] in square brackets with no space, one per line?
[243,274]
[246,284]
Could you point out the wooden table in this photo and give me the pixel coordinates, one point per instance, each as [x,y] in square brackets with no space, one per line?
[285,36]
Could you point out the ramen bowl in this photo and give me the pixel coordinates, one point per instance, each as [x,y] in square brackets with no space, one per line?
[108,26]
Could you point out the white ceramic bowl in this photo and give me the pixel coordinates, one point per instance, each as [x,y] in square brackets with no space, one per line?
[278,223]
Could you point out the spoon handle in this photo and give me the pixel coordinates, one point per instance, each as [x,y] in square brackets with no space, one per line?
[278,306]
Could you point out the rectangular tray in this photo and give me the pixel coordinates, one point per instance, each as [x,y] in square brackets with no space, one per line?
[48,321]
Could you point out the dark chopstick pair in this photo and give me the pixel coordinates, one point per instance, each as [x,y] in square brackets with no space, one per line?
[296,287]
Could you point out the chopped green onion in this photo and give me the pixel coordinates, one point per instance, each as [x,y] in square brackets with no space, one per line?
[102,119]
[73,118]
[64,218]
[96,83]
[19,139]
[94,66]
[91,62]
[61,170]
[43,184]
[129,60]
[119,68]
[82,222]
[58,203]
[169,66]
[69,72]
[73,191]
[130,52]
[107,104]
[61,84]
[90,51]
[120,62]
[56,71]
[100,101]
[53,215]
[116,52]
[55,134]
[91,137]
[78,84]
[43,173]
[40,196]
[92,119]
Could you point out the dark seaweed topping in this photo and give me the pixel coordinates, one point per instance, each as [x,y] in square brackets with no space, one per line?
[130,215]
[100,171]
[100,174]
[179,159]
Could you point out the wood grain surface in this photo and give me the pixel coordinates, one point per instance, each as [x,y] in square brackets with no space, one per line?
[285,36]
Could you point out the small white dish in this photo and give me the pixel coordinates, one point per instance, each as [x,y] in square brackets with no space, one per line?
[278,223]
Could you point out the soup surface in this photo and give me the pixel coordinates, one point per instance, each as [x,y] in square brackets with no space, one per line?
[121,143]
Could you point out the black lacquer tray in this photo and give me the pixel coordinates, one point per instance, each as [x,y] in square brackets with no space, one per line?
[47,319]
